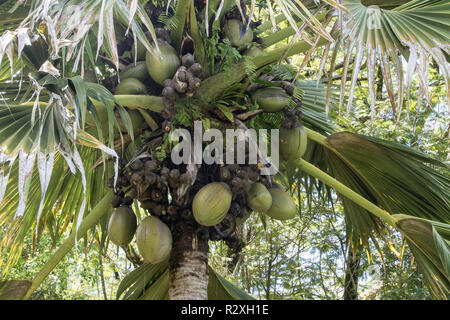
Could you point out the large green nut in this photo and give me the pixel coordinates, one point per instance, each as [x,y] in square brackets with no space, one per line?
[271,99]
[162,65]
[259,198]
[130,86]
[137,71]
[236,32]
[154,240]
[283,206]
[122,226]
[293,143]
[211,203]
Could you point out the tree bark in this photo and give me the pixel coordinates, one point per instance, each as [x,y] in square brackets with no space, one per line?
[189,271]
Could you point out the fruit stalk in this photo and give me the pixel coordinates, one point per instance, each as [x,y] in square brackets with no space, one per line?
[346,191]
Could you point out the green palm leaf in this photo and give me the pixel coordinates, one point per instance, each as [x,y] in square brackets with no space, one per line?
[151,282]
[417,30]
[430,243]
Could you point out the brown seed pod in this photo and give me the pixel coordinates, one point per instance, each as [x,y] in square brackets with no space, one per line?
[123,181]
[225,174]
[236,181]
[174,174]
[167,125]
[186,214]
[194,83]
[179,86]
[185,179]
[151,178]
[173,183]
[233,167]
[165,171]
[132,193]
[235,208]
[136,165]
[170,93]
[195,69]
[151,165]
[156,195]
[172,210]
[128,201]
[242,173]
[187,60]
[116,201]
[182,76]
[253,175]
[137,178]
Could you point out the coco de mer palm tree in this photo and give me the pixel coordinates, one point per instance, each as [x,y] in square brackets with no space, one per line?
[91,92]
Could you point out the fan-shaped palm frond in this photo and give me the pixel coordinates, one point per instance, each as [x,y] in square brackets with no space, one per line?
[430,243]
[402,41]
[151,282]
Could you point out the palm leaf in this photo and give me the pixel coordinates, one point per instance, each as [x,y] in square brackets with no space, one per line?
[151,282]
[417,30]
[430,243]
[220,288]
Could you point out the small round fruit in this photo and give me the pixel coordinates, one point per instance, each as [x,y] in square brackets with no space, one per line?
[122,226]
[154,240]
[211,203]
[283,206]
[259,198]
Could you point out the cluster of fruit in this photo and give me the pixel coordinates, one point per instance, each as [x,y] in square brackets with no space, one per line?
[214,199]
[184,82]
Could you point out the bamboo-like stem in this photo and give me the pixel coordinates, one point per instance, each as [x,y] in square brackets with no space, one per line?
[88,222]
[213,86]
[346,192]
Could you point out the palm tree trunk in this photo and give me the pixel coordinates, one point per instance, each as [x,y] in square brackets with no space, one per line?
[189,271]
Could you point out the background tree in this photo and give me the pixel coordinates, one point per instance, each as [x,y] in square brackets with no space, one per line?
[62,62]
